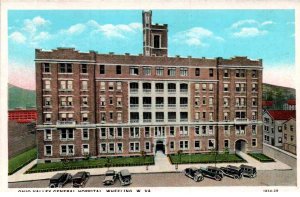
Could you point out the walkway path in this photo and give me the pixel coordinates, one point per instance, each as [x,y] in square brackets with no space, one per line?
[162,164]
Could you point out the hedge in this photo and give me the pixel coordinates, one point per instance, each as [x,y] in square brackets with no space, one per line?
[261,157]
[18,162]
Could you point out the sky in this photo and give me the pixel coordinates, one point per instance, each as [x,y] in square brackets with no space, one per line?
[257,34]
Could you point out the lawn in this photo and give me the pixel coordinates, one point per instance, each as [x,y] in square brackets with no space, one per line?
[92,163]
[261,157]
[205,158]
[21,160]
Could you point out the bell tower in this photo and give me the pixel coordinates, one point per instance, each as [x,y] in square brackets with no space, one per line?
[155,37]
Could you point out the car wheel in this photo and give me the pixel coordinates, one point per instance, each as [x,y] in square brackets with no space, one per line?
[253,176]
[196,178]
[235,177]
[60,185]
[52,186]
[218,178]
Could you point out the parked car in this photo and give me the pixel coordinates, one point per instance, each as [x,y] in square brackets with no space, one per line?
[212,172]
[248,171]
[59,180]
[232,171]
[125,177]
[80,179]
[110,177]
[194,174]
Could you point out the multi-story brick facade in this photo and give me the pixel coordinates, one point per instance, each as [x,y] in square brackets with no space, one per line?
[120,105]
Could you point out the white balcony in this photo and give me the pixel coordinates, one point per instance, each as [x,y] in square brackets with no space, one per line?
[172,120]
[241,120]
[66,122]
[147,105]
[183,119]
[172,90]
[159,90]
[159,120]
[171,105]
[134,105]
[183,105]
[134,120]
[183,91]
[146,120]
[159,105]
[146,90]
[134,90]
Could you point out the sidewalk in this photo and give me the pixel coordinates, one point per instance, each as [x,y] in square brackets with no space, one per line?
[162,164]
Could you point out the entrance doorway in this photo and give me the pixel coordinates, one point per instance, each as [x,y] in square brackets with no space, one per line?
[240,145]
[160,146]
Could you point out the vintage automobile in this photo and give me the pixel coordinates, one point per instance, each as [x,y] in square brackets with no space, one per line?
[80,179]
[248,171]
[212,172]
[59,180]
[125,177]
[110,177]
[232,171]
[194,174]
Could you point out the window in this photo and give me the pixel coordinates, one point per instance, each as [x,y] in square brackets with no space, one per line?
[204,87]
[118,70]
[171,71]
[103,148]
[102,117]
[147,146]
[197,87]
[211,72]
[46,68]
[254,142]
[156,42]
[102,69]
[285,136]
[197,144]
[279,139]
[159,71]
[111,147]
[135,132]
[133,70]
[292,138]
[253,128]
[147,71]
[226,102]
[147,131]
[184,130]
[291,128]
[111,116]
[226,130]
[183,71]
[240,130]
[254,115]
[47,118]
[111,100]
[254,102]
[85,149]
[279,128]
[119,101]
[240,73]
[119,117]
[47,101]
[84,85]
[85,134]
[119,85]
[110,86]
[226,89]
[254,73]
[102,101]
[47,84]
[119,147]
[197,130]
[240,87]
[85,117]
[134,147]
[84,101]
[210,101]
[211,144]
[184,145]
[172,131]
[211,87]
[83,68]
[48,150]
[254,87]
[226,116]
[65,68]
[67,149]
[48,135]
[211,116]
[204,100]
[197,116]
[102,133]
[197,72]
[226,74]
[226,143]
[172,145]
[66,134]
[102,86]
[197,101]
[159,131]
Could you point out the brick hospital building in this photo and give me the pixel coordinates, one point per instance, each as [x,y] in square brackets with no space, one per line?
[120,105]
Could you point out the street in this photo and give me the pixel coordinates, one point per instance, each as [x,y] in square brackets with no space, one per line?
[264,178]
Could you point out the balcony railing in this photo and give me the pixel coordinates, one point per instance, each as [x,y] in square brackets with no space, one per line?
[159,120]
[172,119]
[159,105]
[147,105]
[134,105]
[171,105]
[159,90]
[183,105]
[241,119]
[134,90]
[134,120]
[147,90]
[66,122]
[171,90]
[183,90]
[146,120]
[183,119]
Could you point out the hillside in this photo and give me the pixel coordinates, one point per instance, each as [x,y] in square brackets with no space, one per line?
[19,97]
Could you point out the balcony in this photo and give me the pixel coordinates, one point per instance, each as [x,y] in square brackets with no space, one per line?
[183,105]
[172,91]
[147,105]
[146,90]
[183,91]
[146,120]
[66,122]
[159,120]
[183,119]
[159,90]
[172,105]
[134,105]
[172,120]
[241,120]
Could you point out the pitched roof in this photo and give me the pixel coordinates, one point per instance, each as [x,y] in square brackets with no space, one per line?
[291,101]
[267,103]
[282,114]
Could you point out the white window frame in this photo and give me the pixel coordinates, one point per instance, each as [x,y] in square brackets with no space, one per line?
[184,142]
[67,149]
[197,148]
[82,134]
[117,147]
[45,135]
[147,150]
[108,147]
[100,148]
[82,149]
[45,150]
[214,142]
[255,142]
